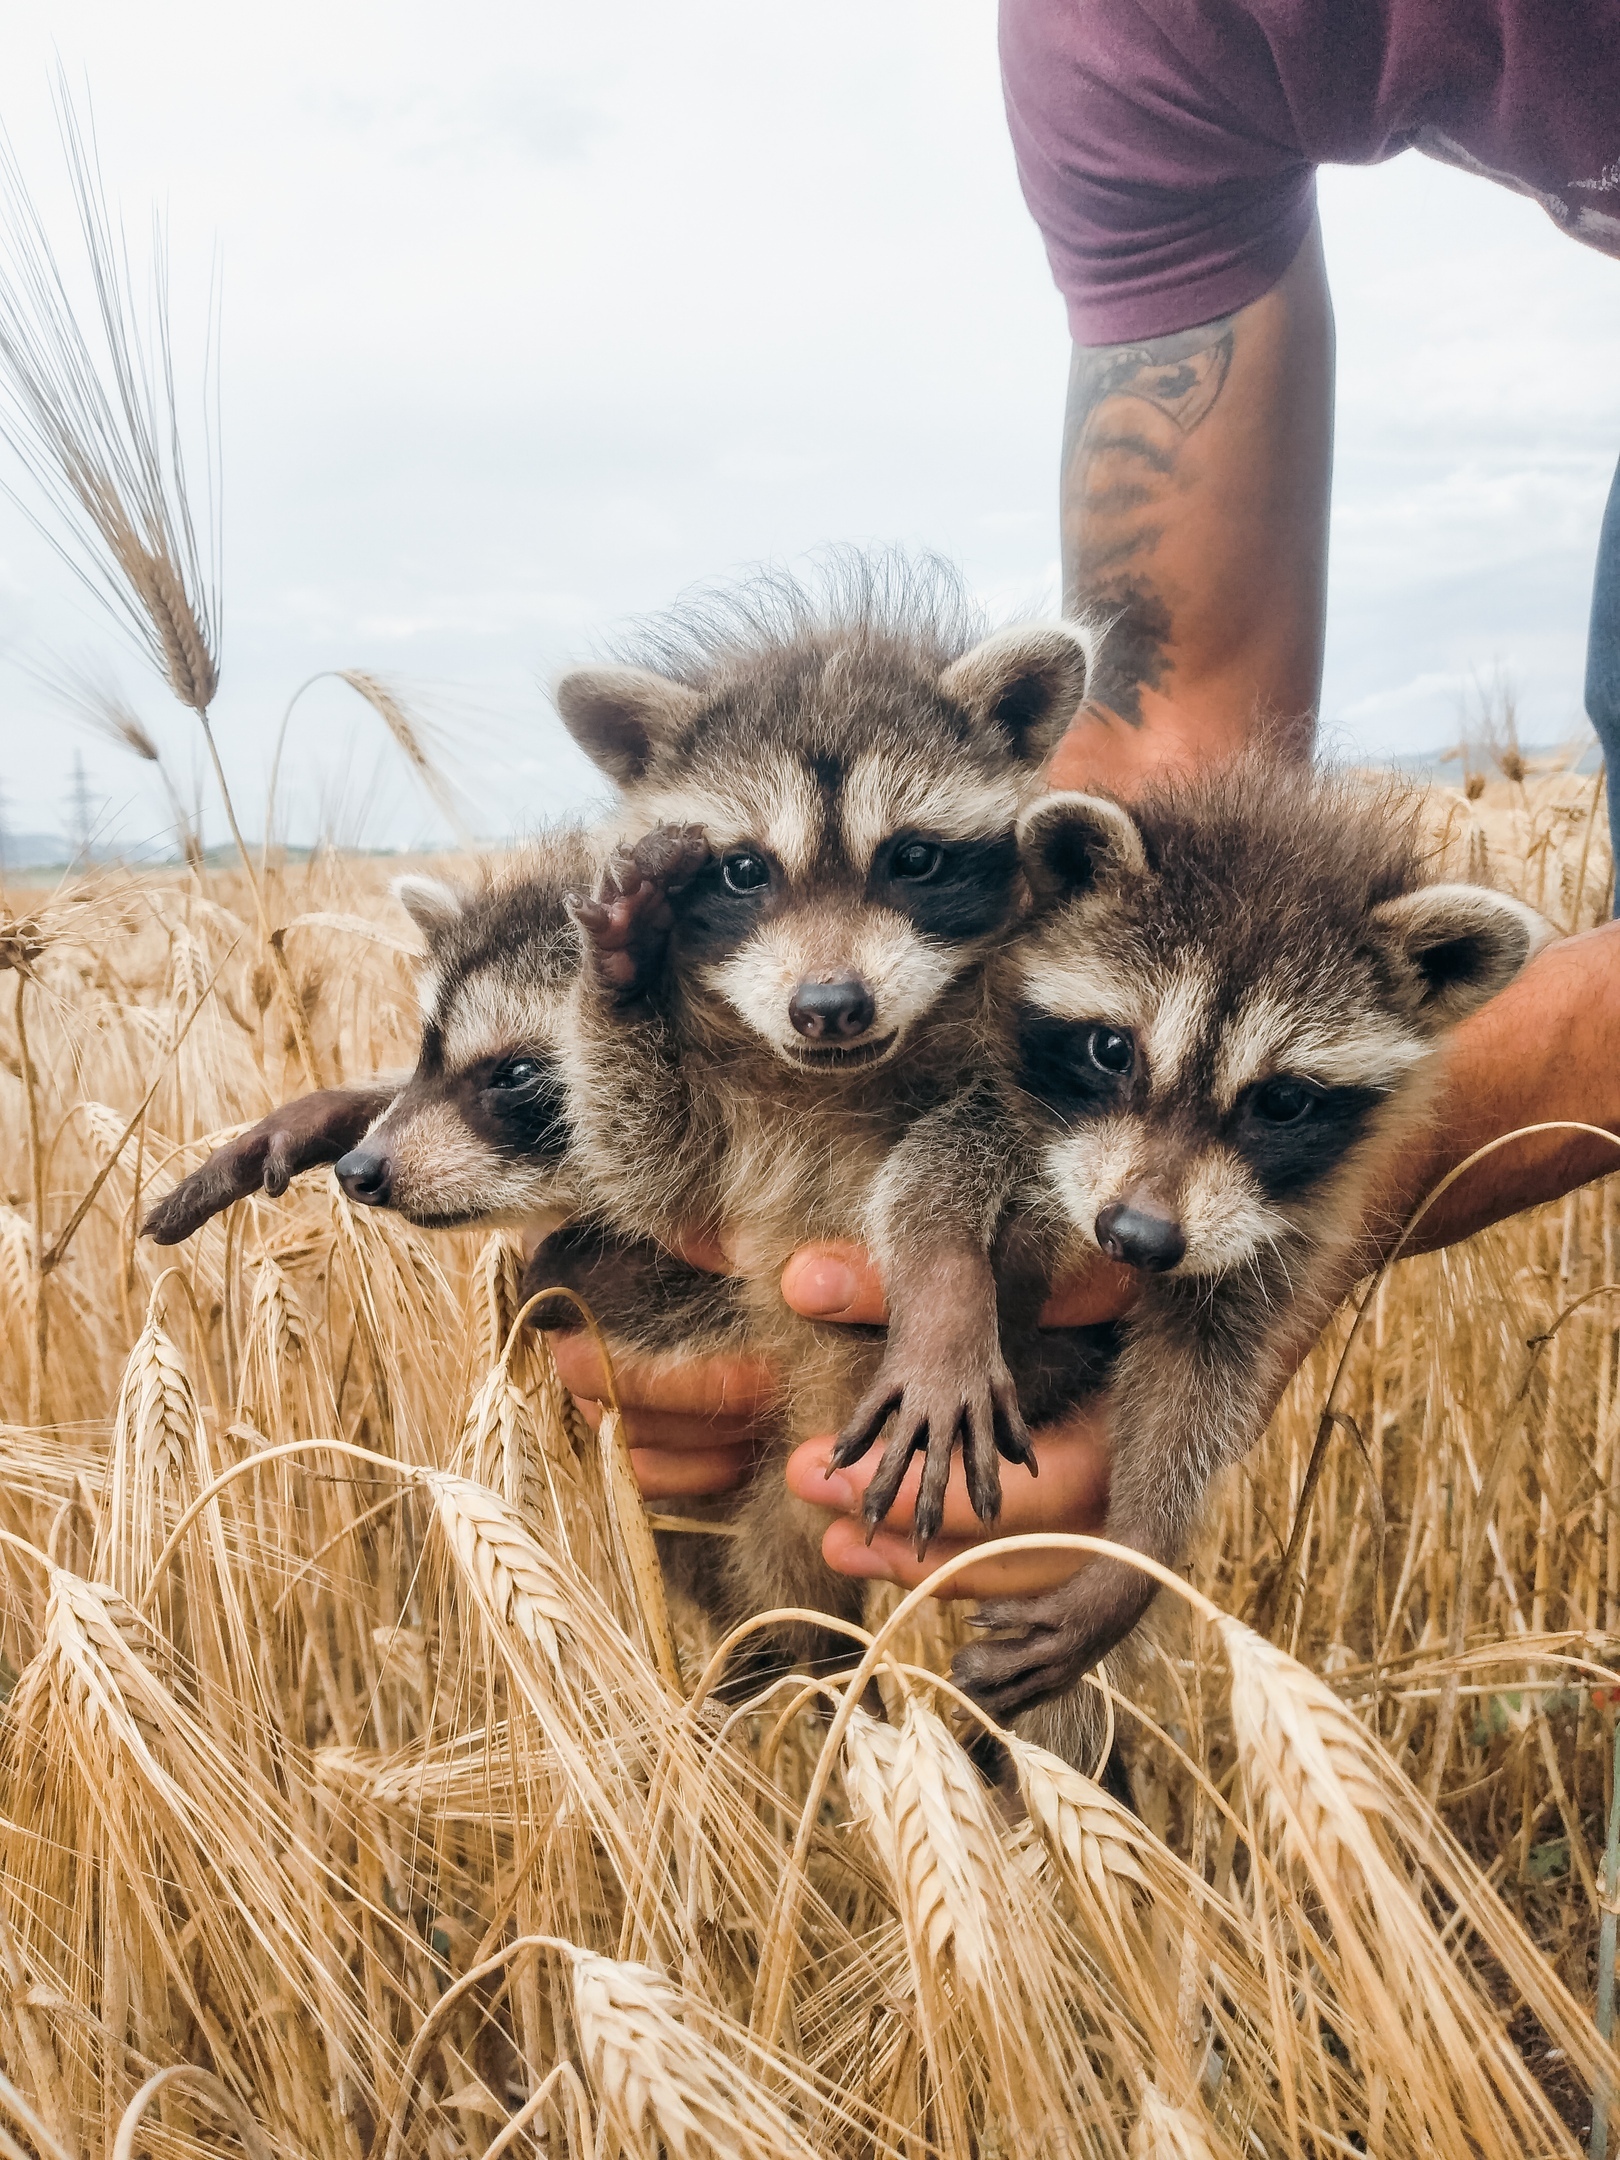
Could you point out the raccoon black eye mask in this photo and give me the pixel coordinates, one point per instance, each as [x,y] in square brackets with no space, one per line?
[1226,1006]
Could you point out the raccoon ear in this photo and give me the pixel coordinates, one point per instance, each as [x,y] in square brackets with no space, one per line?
[619,715]
[1027,681]
[1456,946]
[1075,844]
[430,903]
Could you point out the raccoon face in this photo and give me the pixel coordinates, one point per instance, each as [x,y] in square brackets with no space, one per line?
[479,1133]
[1224,1010]
[831,943]
[859,801]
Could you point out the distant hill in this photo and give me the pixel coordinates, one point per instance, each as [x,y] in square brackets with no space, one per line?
[54,851]
[1447,765]
[32,850]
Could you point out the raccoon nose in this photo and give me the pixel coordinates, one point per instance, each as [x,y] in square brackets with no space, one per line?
[841,1009]
[365,1176]
[1140,1238]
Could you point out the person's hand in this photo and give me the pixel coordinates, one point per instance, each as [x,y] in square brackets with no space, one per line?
[839,1282]
[1070,1494]
[692,1424]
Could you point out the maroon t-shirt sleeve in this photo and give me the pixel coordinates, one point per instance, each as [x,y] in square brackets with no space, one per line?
[1167,148]
[1161,202]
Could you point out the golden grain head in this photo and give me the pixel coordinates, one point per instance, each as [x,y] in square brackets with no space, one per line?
[1095,1841]
[1312,1766]
[395,1703]
[929,1817]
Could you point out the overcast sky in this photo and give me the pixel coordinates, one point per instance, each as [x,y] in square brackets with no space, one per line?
[534,314]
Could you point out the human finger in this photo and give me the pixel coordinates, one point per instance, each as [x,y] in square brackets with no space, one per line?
[675,1428]
[835,1281]
[1071,1491]
[892,1558]
[840,1281]
[1070,1494]
[681,1459]
[729,1387]
[690,1473]
[1100,1291]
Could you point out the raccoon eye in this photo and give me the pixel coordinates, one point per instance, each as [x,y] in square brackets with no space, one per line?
[515,1073]
[1113,1051]
[745,873]
[916,861]
[1284,1101]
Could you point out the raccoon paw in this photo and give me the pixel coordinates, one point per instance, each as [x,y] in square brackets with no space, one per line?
[1049,1643]
[626,922]
[298,1136]
[930,1409]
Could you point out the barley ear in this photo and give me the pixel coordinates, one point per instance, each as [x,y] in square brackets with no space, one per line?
[1313,1767]
[1093,1842]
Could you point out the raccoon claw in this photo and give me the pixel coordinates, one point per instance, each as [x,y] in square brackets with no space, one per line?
[928,1416]
[300,1135]
[627,921]
[1051,1641]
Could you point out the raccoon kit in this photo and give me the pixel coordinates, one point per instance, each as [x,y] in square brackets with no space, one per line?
[1227,1008]
[782,1030]
[478,1133]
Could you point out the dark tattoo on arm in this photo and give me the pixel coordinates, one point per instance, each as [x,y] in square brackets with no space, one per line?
[1119,458]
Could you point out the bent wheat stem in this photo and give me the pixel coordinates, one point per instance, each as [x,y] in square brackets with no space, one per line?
[775,1964]
[203,2085]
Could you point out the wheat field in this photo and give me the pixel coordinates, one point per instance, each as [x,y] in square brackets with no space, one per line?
[361,1792]
[362,1795]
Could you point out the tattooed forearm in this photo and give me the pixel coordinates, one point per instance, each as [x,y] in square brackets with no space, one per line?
[1130,410]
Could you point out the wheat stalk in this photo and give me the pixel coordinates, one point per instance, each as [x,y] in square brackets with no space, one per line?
[99,436]
[155,1428]
[98,432]
[498,1279]
[407,733]
[16,1260]
[97,1676]
[1317,1774]
[101,706]
[277,1322]
[201,2085]
[516,1587]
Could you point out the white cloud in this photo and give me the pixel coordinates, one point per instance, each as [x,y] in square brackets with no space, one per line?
[535,314]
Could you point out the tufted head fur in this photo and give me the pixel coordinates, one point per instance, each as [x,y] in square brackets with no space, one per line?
[855,759]
[479,1131]
[1228,1002]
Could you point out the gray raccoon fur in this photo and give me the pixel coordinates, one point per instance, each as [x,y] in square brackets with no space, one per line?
[448,1148]
[782,1028]
[1227,1008]
[478,1132]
